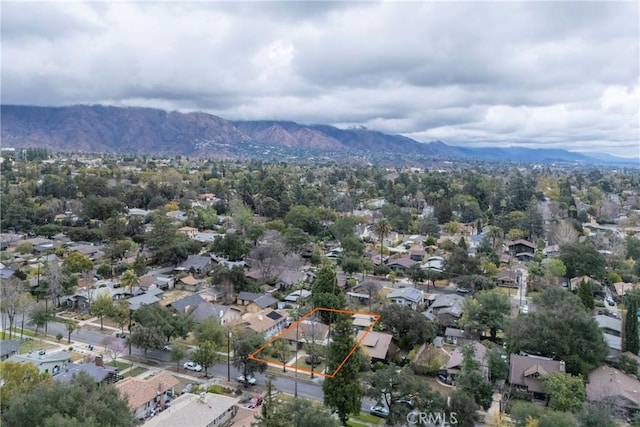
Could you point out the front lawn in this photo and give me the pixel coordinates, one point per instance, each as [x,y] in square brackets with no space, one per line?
[138,370]
[367,418]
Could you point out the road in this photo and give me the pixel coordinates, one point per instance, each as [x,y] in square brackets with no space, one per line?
[310,389]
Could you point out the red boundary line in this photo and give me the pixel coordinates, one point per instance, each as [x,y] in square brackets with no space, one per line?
[253,356]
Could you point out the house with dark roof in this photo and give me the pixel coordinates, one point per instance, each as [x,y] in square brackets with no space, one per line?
[612,332]
[456,336]
[526,373]
[445,309]
[186,304]
[307,331]
[521,246]
[196,264]
[401,265]
[145,299]
[252,302]
[97,370]
[480,355]
[410,297]
[287,278]
[189,283]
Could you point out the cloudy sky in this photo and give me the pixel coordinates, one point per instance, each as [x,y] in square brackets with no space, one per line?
[537,74]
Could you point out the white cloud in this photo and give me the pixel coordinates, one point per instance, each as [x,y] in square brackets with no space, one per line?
[561,74]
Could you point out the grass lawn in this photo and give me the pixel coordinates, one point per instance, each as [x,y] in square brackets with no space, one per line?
[120,365]
[35,344]
[135,372]
[75,356]
[506,291]
[367,418]
[352,423]
[301,364]
[26,333]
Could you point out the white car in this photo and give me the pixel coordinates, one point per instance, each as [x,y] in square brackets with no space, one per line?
[525,309]
[191,366]
[250,380]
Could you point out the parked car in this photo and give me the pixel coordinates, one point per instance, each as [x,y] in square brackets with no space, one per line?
[255,401]
[187,388]
[610,301]
[525,309]
[249,380]
[121,335]
[192,366]
[462,291]
[379,411]
[167,347]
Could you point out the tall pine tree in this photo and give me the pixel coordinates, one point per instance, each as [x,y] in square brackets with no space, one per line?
[631,340]
[343,392]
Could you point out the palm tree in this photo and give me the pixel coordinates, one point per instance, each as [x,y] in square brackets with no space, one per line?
[382,229]
[129,280]
[496,234]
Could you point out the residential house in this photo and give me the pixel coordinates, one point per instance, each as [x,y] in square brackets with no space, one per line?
[97,370]
[456,336]
[575,282]
[445,309]
[416,253]
[287,278]
[434,263]
[611,386]
[204,410]
[186,304]
[147,397]
[213,294]
[526,373]
[8,348]
[401,265]
[480,355]
[164,282]
[521,246]
[189,283]
[199,265]
[622,288]
[307,331]
[153,296]
[253,302]
[138,212]
[375,345]
[206,236]
[224,314]
[362,321]
[47,363]
[551,251]
[410,297]
[191,232]
[294,296]
[6,273]
[508,278]
[268,322]
[177,216]
[612,332]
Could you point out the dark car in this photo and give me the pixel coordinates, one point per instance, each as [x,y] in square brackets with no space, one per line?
[610,302]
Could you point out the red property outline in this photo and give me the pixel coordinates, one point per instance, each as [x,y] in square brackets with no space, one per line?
[253,356]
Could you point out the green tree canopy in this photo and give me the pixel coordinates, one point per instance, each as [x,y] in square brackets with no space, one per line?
[582,259]
[566,392]
[489,311]
[407,326]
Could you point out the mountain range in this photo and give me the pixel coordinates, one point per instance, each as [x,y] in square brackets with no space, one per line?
[132,130]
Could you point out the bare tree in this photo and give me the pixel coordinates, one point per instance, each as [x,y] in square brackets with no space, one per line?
[268,259]
[564,232]
[54,283]
[115,348]
[371,288]
[10,303]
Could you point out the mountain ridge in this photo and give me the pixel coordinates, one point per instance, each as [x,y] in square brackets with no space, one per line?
[143,130]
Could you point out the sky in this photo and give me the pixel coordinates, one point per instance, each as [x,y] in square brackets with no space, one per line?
[536,74]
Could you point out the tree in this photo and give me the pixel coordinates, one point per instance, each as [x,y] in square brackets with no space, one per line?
[630,339]
[206,355]
[395,387]
[210,330]
[82,402]
[382,229]
[11,300]
[582,259]
[407,326]
[562,328]
[129,280]
[246,342]
[40,317]
[282,351]
[77,263]
[71,326]
[268,259]
[161,318]
[585,293]
[120,314]
[178,352]
[18,379]
[566,392]
[470,380]
[326,293]
[115,348]
[296,413]
[371,288]
[343,392]
[596,415]
[102,306]
[464,407]
[416,275]
[146,337]
[488,311]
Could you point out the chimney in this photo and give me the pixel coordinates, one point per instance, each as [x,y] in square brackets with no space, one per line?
[260,317]
[562,366]
[99,361]
[203,397]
